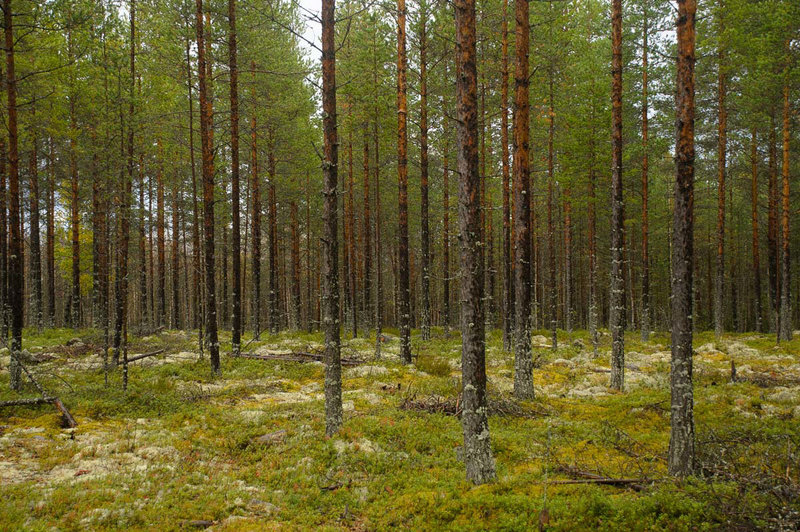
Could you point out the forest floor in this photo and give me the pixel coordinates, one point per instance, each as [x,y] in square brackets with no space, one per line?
[247,451]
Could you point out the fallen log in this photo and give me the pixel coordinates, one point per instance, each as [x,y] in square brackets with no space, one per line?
[69,421]
[635,483]
[197,523]
[298,357]
[145,355]
[585,477]
[27,402]
[270,438]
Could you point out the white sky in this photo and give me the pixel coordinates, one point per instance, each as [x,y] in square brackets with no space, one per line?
[313,31]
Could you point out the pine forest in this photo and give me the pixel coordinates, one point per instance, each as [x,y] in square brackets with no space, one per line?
[400,264]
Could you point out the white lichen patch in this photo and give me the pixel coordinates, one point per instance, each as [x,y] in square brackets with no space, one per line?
[365,371]
[362,445]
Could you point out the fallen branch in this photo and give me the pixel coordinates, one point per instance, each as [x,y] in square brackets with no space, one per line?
[197,523]
[145,355]
[69,421]
[585,477]
[299,357]
[45,398]
[634,483]
[451,406]
[26,402]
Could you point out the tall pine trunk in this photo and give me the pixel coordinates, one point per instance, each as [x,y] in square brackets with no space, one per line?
[785,319]
[592,238]
[508,282]
[330,238]
[523,359]
[272,240]
[772,225]
[295,303]
[645,312]
[161,313]
[722,141]
[404,291]
[176,321]
[617,289]
[551,237]
[754,220]
[255,194]
[143,284]
[50,247]
[35,245]
[423,163]
[351,244]
[367,235]
[123,237]
[206,117]
[446,233]
[15,265]
[682,438]
[75,311]
[197,268]
[474,420]
[236,322]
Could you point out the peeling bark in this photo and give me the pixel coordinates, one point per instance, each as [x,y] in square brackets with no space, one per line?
[682,436]
[474,420]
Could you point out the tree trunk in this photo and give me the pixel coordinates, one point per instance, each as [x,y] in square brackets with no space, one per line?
[446,233]
[176,311]
[404,292]
[330,239]
[551,238]
[161,314]
[785,329]
[682,440]
[143,299]
[617,299]
[272,241]
[487,210]
[423,163]
[378,248]
[367,235]
[344,295]
[754,217]
[74,216]
[50,256]
[236,324]
[197,269]
[296,304]
[351,245]
[474,421]
[151,289]
[255,193]
[508,283]
[772,224]
[36,249]
[206,118]
[592,238]
[523,360]
[722,141]
[121,303]
[5,310]
[97,234]
[15,265]
[645,313]
[568,259]
[309,278]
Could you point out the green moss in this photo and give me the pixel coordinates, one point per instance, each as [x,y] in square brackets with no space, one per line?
[182,444]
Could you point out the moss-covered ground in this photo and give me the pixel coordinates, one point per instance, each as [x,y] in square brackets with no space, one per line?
[247,451]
